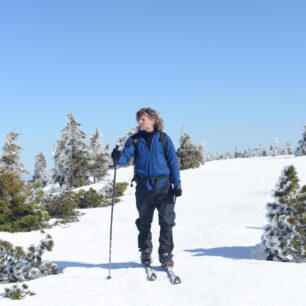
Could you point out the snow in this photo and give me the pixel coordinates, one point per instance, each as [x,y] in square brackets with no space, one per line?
[220,220]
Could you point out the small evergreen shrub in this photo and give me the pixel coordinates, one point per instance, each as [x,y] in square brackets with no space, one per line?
[88,199]
[92,198]
[120,188]
[62,206]
[18,265]
[21,208]
[17,292]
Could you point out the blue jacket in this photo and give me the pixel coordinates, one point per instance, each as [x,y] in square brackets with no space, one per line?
[153,162]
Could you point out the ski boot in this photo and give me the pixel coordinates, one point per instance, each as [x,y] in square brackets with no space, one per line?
[145,257]
[166,260]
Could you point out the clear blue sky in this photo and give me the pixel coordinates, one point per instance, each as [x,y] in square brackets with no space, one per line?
[233,71]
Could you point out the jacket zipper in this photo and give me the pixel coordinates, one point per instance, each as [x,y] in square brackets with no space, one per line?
[149,151]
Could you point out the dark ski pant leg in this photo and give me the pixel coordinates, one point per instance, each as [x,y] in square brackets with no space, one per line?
[145,202]
[165,206]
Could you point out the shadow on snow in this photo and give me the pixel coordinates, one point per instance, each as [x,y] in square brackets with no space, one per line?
[234,252]
[114,266]
[61,265]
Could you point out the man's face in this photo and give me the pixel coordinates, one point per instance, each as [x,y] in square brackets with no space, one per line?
[146,124]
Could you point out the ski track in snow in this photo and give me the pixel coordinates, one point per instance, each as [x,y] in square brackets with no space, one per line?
[219,224]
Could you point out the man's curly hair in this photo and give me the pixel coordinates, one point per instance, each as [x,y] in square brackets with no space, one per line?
[152,114]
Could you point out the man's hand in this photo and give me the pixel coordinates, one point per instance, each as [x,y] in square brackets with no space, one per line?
[116,154]
[177,191]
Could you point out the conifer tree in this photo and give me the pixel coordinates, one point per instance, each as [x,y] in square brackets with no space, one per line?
[40,173]
[237,152]
[247,153]
[274,148]
[190,156]
[297,223]
[227,155]
[10,159]
[260,150]
[278,232]
[20,206]
[71,156]
[208,155]
[301,149]
[99,159]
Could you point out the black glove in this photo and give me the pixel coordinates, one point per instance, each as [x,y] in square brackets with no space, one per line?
[177,191]
[116,154]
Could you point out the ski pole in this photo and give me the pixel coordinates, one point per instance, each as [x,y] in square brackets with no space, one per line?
[111,224]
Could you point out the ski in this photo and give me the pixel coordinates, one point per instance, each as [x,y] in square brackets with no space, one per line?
[174,279]
[151,275]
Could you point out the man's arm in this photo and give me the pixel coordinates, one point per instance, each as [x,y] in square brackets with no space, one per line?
[173,163]
[126,153]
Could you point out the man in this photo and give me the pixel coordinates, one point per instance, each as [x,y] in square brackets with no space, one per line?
[158,182]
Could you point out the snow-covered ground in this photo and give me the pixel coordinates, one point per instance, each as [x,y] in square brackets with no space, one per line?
[219,224]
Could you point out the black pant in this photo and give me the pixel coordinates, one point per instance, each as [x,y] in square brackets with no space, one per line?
[146,201]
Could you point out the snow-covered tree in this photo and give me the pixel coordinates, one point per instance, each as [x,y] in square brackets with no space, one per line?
[237,153]
[128,134]
[190,156]
[10,159]
[71,156]
[254,152]
[227,155]
[208,155]
[217,156]
[278,232]
[297,223]
[247,153]
[40,173]
[301,149]
[274,148]
[260,150]
[98,157]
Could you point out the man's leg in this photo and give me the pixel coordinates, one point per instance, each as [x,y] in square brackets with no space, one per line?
[166,214]
[145,207]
